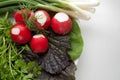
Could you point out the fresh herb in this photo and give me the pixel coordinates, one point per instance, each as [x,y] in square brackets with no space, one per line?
[12,65]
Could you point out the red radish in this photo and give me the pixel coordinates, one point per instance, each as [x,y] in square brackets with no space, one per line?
[18,15]
[42,19]
[39,43]
[61,23]
[20,34]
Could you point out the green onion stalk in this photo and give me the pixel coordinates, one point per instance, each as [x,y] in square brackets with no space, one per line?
[76,9]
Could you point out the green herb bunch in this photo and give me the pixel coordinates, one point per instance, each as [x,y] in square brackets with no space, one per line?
[12,65]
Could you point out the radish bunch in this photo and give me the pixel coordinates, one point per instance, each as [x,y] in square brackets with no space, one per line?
[20,33]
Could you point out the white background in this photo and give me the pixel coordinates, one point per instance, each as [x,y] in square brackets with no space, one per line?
[100,59]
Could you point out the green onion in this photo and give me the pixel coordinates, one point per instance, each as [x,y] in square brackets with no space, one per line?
[75,9]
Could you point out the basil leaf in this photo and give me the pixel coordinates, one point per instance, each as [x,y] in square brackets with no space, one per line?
[76,41]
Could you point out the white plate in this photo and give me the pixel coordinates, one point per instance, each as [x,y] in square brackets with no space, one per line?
[100,59]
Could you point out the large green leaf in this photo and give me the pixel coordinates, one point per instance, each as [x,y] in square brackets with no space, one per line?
[76,41]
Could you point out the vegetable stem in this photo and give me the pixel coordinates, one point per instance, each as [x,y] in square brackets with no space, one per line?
[10,61]
[85,4]
[8,9]
[12,2]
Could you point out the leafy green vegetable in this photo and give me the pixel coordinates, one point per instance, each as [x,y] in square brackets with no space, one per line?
[67,74]
[76,41]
